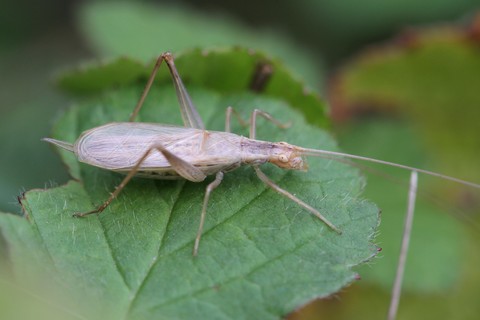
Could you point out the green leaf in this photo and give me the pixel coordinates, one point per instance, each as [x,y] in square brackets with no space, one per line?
[226,70]
[93,77]
[261,255]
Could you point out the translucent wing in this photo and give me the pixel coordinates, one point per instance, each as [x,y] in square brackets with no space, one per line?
[118,146]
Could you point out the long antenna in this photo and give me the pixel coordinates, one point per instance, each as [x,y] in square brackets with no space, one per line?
[323,153]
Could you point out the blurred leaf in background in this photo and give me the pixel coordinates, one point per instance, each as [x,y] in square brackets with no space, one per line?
[33,46]
[427,83]
[39,39]
[431,78]
[337,29]
[152,29]
[345,25]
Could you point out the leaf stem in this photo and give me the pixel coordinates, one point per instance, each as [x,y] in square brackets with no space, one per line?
[407,230]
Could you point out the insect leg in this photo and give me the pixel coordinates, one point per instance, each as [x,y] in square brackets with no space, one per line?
[287,194]
[215,183]
[269,117]
[190,116]
[183,168]
[147,87]
[228,116]
[189,112]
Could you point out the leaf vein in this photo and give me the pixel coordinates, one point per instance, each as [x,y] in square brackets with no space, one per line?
[160,245]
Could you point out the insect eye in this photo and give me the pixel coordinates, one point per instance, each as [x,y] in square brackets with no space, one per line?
[283,158]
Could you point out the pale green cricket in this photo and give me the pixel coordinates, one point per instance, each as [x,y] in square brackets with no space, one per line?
[191,152]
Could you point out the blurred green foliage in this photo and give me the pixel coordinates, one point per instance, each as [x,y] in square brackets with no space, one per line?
[429,77]
[437,237]
[209,71]
[433,80]
[38,39]
[151,30]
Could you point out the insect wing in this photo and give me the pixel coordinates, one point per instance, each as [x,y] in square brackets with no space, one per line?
[119,146]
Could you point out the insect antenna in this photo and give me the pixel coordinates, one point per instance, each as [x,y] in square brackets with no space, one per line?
[333,154]
[423,194]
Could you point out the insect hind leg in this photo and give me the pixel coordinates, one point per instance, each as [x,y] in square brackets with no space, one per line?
[183,168]
[253,120]
[228,117]
[266,115]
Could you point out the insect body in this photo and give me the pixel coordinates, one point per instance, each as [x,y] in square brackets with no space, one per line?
[116,147]
[191,152]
